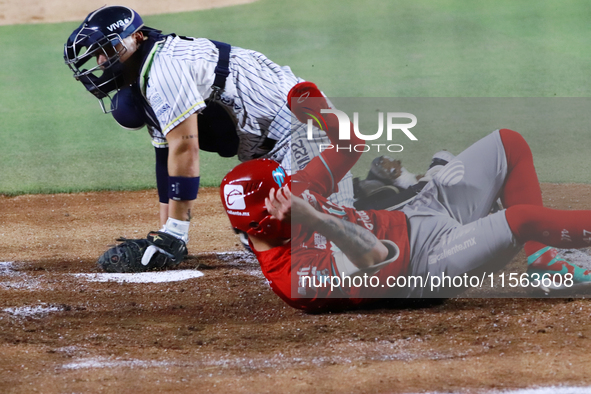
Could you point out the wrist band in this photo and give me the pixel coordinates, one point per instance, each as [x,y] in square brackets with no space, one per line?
[182,188]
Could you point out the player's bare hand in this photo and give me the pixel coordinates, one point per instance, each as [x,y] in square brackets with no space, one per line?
[279,203]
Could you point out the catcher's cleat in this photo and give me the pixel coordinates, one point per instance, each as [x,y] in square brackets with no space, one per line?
[548,268]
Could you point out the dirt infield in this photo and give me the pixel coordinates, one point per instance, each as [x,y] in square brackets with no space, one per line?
[47,11]
[227,332]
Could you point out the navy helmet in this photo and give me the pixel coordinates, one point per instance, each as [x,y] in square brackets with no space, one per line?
[100,33]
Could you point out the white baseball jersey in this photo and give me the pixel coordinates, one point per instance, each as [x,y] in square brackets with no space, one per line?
[177,77]
[180,72]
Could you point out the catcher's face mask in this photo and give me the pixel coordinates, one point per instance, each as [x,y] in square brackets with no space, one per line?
[95,49]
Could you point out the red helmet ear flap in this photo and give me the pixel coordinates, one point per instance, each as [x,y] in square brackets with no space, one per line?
[271,228]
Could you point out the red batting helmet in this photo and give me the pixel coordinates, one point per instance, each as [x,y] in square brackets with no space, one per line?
[243,192]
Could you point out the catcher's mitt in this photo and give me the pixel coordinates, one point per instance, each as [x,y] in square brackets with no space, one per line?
[388,185]
[168,244]
[127,257]
[385,170]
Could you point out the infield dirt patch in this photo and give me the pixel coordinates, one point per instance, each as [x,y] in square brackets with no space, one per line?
[227,332]
[48,11]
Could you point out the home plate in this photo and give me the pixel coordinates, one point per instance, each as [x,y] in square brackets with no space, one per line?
[143,277]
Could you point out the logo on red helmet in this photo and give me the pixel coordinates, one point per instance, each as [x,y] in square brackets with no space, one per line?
[234,196]
[279,176]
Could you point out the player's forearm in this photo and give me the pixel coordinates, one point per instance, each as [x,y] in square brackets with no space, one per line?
[183,161]
[183,149]
[183,168]
[333,129]
[359,245]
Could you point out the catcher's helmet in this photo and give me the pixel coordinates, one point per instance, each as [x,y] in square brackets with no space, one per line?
[100,33]
[243,192]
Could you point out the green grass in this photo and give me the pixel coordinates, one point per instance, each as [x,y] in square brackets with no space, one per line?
[56,139]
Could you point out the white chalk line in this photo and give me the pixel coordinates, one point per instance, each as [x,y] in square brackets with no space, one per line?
[142,277]
[278,361]
[34,311]
[11,278]
[534,390]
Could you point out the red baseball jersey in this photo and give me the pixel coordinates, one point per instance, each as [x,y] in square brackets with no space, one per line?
[303,272]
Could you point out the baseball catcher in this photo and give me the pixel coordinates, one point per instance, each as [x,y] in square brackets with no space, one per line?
[192,94]
[303,241]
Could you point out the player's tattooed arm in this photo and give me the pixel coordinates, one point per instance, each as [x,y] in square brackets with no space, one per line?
[359,244]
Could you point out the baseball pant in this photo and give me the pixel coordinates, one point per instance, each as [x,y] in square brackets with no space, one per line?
[451,232]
